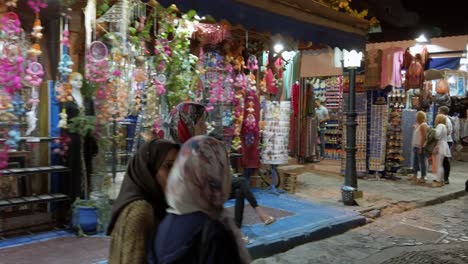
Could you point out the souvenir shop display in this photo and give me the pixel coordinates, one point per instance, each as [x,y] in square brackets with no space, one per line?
[24,202]
[275,136]
[394,150]
[305,136]
[275,132]
[330,92]
[408,119]
[378,135]
[361,133]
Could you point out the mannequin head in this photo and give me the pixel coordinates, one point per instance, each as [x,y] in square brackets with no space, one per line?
[76,80]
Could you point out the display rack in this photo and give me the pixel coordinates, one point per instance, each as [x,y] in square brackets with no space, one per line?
[361,134]
[408,120]
[378,135]
[330,90]
[21,208]
[394,151]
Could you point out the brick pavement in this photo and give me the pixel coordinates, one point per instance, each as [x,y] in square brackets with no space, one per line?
[378,242]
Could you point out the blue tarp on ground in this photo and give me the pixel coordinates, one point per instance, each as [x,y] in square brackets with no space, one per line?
[264,21]
[309,222]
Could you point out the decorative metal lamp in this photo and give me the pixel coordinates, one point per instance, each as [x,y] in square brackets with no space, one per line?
[351,61]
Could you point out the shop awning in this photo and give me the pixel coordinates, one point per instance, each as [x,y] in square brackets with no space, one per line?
[299,19]
[444,63]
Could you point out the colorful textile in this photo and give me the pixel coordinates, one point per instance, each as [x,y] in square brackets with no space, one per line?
[183,120]
[392,59]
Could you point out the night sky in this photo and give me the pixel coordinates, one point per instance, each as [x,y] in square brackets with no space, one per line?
[404,19]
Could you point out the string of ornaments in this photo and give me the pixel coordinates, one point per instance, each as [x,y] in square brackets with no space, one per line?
[11,71]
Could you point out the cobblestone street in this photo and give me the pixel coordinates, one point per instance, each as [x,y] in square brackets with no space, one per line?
[435,234]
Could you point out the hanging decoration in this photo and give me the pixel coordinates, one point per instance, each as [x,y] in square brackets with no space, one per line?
[65,63]
[11,71]
[250,122]
[33,77]
[97,73]
[172,47]
[63,92]
[240,84]
[36,35]
[151,105]
[11,67]
[210,34]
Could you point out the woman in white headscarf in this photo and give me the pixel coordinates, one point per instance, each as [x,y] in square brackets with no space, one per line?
[196,229]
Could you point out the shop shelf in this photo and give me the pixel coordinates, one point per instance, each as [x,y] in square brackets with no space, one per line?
[18,201]
[33,170]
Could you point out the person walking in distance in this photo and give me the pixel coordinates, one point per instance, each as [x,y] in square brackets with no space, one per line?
[444,110]
[322,118]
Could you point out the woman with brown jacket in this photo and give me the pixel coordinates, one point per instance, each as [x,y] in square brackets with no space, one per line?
[141,204]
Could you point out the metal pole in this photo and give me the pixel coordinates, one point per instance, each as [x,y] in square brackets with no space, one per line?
[114,150]
[351,124]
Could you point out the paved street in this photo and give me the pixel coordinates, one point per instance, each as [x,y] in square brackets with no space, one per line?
[435,234]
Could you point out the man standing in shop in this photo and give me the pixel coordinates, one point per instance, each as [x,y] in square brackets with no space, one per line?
[322,118]
[444,110]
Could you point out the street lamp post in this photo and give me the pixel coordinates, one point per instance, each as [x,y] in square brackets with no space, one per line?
[351,61]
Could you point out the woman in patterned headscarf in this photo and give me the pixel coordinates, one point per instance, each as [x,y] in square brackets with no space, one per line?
[196,229]
[187,120]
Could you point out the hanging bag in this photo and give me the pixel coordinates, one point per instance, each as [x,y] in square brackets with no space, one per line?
[442,87]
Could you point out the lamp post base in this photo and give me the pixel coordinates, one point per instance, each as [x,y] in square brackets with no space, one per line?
[348,195]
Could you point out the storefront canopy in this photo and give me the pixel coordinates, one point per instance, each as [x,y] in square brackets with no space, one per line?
[301,20]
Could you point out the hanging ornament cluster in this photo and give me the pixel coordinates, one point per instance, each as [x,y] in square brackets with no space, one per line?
[11,68]
[11,25]
[240,84]
[250,121]
[66,63]
[11,71]
[119,106]
[251,128]
[216,85]
[60,145]
[11,3]
[103,105]
[139,76]
[97,66]
[63,91]
[252,63]
[63,122]
[36,34]
[151,106]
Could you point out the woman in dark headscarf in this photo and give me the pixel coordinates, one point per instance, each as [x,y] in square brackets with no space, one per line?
[141,204]
[196,229]
[188,120]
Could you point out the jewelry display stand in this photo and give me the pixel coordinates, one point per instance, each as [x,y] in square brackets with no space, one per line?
[275,136]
